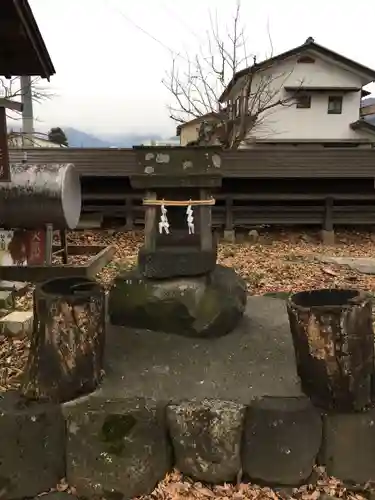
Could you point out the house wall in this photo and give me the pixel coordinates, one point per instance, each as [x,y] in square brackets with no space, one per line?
[189,132]
[289,122]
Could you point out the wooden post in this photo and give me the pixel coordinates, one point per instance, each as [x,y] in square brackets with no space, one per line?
[205,222]
[4,150]
[328,215]
[67,345]
[48,243]
[334,347]
[129,224]
[64,246]
[228,213]
[4,153]
[150,224]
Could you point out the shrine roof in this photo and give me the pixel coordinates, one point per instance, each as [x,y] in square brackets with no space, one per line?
[22,48]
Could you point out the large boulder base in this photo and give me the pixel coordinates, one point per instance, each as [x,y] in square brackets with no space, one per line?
[205,306]
[116,448]
[206,438]
[282,438]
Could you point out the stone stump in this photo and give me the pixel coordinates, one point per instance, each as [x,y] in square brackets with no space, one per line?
[334,346]
[206,438]
[282,438]
[348,450]
[67,345]
[32,450]
[116,448]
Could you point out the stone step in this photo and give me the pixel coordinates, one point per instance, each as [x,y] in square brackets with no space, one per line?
[9,289]
[17,324]
[6,299]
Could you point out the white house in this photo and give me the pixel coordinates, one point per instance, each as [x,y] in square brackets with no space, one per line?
[321,93]
[326,88]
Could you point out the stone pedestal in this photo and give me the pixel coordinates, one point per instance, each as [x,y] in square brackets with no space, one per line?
[171,262]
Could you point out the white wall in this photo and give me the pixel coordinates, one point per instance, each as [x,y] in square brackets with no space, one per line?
[312,123]
[289,122]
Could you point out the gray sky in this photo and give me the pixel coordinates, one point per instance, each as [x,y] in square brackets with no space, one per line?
[109,72]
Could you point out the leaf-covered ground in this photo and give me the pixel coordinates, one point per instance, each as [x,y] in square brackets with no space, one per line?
[280,261]
[175,486]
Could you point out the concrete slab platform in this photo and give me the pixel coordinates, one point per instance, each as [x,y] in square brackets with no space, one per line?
[256,360]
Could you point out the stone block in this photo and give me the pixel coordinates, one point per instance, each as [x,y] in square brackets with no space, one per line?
[348,449]
[204,306]
[15,286]
[229,236]
[32,450]
[206,438]
[115,448]
[6,299]
[176,262]
[17,324]
[253,236]
[282,438]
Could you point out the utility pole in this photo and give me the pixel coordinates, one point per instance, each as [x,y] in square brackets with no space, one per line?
[27,112]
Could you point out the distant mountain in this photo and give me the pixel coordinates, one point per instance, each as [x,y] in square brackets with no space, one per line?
[369,101]
[79,139]
[129,140]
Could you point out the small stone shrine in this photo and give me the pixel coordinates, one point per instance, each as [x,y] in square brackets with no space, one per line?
[177,286]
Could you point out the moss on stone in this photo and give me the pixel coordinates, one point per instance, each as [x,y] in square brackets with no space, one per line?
[209,306]
[135,290]
[113,431]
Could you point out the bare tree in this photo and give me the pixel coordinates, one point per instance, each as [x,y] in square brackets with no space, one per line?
[11,89]
[196,89]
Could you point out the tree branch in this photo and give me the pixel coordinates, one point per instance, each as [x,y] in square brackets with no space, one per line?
[196,90]
[11,89]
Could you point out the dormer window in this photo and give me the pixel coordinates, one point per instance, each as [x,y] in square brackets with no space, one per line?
[305,60]
[334,105]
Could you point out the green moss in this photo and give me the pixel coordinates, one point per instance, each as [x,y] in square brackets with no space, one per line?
[208,308]
[114,429]
[135,291]
[210,304]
